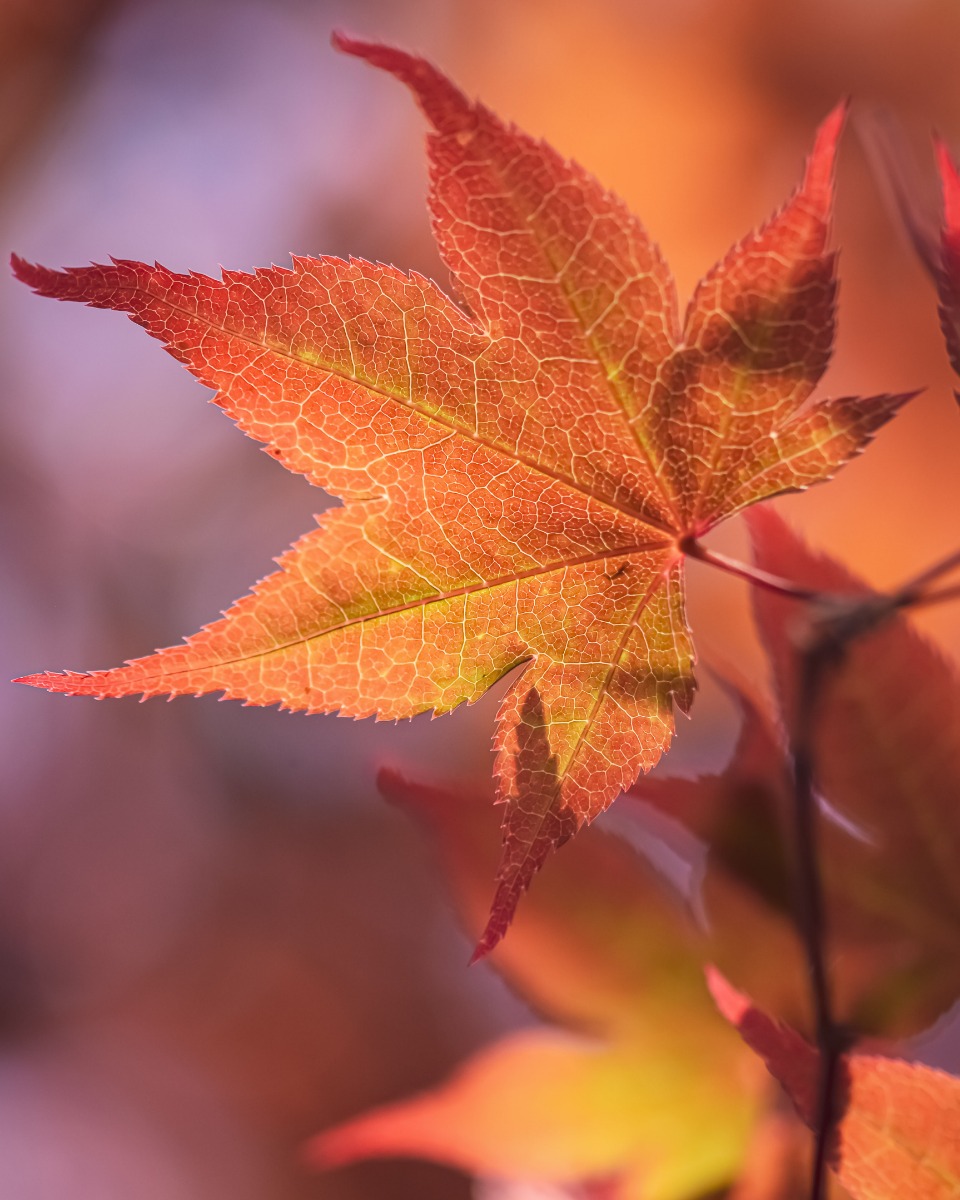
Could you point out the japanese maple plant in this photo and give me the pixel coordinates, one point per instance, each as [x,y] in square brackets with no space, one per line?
[523,471]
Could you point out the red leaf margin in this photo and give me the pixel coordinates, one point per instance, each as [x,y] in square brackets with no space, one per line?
[898,1131]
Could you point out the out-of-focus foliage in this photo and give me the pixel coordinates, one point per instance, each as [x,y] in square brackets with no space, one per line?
[644,1089]
[601,948]
[888,761]
[897,1129]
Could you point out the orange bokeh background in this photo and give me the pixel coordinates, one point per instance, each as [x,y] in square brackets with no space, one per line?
[214,937]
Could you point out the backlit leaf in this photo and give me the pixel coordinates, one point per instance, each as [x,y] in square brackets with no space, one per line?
[540,1105]
[519,475]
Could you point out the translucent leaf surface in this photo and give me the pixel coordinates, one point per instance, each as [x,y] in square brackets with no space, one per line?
[519,475]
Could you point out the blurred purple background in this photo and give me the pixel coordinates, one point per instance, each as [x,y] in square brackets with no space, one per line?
[214,937]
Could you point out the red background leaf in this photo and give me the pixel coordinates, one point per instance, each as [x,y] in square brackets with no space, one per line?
[887,752]
[899,1132]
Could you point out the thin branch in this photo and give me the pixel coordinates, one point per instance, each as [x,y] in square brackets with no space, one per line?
[840,621]
[836,619]
[936,597]
[877,607]
[913,587]
[822,654]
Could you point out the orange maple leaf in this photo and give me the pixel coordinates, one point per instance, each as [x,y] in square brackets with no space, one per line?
[521,476]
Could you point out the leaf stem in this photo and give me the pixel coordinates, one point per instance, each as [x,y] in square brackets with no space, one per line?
[762,579]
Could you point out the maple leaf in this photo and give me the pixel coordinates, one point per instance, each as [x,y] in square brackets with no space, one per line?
[520,476]
[635,1058]
[899,1128]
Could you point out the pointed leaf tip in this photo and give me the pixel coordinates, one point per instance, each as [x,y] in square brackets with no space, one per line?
[37,681]
[818,177]
[519,863]
[733,1005]
[405,66]
[502,911]
[948,275]
[68,284]
[415,799]
[443,104]
[392,784]
[27,272]
[480,952]
[348,44]
[950,183]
